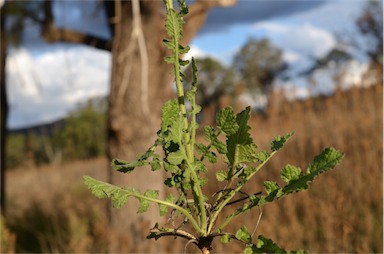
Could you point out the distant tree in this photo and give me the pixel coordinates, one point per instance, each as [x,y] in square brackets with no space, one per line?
[370,24]
[84,132]
[258,62]
[214,80]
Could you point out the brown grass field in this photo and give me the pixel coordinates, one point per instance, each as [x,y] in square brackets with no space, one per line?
[50,210]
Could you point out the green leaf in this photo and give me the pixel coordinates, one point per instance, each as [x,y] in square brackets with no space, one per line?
[209,133]
[163,208]
[119,196]
[226,121]
[183,7]
[247,153]
[262,156]
[322,163]
[280,141]
[221,175]
[143,203]
[266,245]
[326,160]
[175,158]
[270,186]
[170,111]
[124,166]
[177,130]
[290,173]
[174,26]
[243,234]
[241,137]
[225,238]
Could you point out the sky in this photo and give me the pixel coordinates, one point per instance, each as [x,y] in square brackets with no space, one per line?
[45,82]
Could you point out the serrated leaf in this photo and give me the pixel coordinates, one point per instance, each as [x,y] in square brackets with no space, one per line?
[241,137]
[174,25]
[322,163]
[248,250]
[243,234]
[266,245]
[247,153]
[124,166]
[163,208]
[225,239]
[326,160]
[155,165]
[290,173]
[143,203]
[209,133]
[177,130]
[211,157]
[262,156]
[201,148]
[183,7]
[270,186]
[170,111]
[175,158]
[118,196]
[221,175]
[280,141]
[226,121]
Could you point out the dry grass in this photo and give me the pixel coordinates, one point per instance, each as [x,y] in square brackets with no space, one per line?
[51,211]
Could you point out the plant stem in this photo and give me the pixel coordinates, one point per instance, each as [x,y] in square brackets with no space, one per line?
[197,192]
[231,195]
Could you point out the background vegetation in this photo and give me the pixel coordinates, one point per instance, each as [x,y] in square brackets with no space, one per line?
[50,210]
[342,212]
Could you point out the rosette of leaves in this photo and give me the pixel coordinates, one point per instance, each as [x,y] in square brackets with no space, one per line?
[185,162]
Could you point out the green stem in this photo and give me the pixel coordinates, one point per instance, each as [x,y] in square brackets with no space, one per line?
[174,206]
[186,136]
[232,194]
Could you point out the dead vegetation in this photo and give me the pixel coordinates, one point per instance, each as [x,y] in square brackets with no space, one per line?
[50,210]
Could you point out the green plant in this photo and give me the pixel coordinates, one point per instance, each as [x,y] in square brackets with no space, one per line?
[184,160]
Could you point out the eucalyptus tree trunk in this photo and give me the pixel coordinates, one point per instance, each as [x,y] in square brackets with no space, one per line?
[140,84]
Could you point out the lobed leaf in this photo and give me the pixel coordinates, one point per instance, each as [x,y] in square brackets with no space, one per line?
[280,141]
[225,239]
[241,137]
[290,173]
[170,111]
[163,208]
[243,234]
[326,160]
[226,121]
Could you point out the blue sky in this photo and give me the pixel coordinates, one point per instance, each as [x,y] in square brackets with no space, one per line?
[46,81]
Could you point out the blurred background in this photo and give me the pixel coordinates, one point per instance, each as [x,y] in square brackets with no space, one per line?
[83,82]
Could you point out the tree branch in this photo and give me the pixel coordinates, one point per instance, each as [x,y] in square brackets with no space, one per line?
[52,34]
[197,15]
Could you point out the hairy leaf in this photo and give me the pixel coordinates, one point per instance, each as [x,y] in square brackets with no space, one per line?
[170,112]
[326,160]
[225,238]
[280,141]
[241,137]
[243,234]
[270,186]
[163,208]
[221,175]
[226,121]
[290,173]
[247,153]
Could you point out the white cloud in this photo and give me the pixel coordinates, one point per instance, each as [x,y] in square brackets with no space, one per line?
[195,52]
[304,39]
[46,86]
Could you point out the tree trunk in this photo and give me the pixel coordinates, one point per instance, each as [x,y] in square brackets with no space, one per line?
[135,109]
[4,113]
